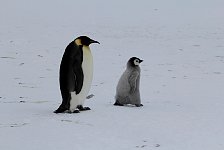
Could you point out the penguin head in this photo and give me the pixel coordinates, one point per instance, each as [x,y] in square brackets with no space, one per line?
[84,41]
[134,61]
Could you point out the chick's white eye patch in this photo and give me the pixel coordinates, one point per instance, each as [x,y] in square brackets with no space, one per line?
[136,62]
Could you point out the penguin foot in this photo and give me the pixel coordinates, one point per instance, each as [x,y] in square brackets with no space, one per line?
[118,104]
[138,105]
[81,108]
[76,111]
[73,111]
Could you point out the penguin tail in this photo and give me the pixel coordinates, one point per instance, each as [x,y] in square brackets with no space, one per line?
[61,109]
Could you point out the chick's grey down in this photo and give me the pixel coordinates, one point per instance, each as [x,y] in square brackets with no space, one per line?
[127,91]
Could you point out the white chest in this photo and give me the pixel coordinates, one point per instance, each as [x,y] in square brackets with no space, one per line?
[87,65]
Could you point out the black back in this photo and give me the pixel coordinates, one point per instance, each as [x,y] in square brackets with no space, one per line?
[71,74]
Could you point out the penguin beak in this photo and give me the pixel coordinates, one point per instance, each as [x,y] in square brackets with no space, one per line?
[140,61]
[92,41]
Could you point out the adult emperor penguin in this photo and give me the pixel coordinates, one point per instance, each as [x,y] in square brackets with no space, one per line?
[76,73]
[127,91]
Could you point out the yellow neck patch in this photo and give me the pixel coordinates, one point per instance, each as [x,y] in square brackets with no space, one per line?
[78,42]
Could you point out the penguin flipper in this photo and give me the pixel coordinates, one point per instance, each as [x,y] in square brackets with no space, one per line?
[77,70]
[132,81]
[71,73]
[78,78]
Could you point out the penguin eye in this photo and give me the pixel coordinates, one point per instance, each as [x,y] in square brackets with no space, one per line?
[136,61]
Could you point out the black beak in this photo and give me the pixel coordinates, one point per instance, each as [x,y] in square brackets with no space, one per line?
[140,61]
[92,41]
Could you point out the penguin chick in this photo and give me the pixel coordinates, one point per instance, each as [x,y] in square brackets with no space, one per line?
[76,72]
[127,91]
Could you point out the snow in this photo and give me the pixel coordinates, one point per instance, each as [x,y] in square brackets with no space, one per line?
[181,43]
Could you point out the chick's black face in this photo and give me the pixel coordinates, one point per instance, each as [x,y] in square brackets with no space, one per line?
[134,61]
[86,40]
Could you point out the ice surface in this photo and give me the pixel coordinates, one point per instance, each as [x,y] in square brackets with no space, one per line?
[182,78]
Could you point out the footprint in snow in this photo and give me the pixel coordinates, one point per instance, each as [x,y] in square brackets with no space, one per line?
[39,102]
[65,120]
[146,146]
[7,57]
[90,96]
[12,125]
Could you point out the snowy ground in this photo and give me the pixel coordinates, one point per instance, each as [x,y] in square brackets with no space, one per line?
[182,81]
